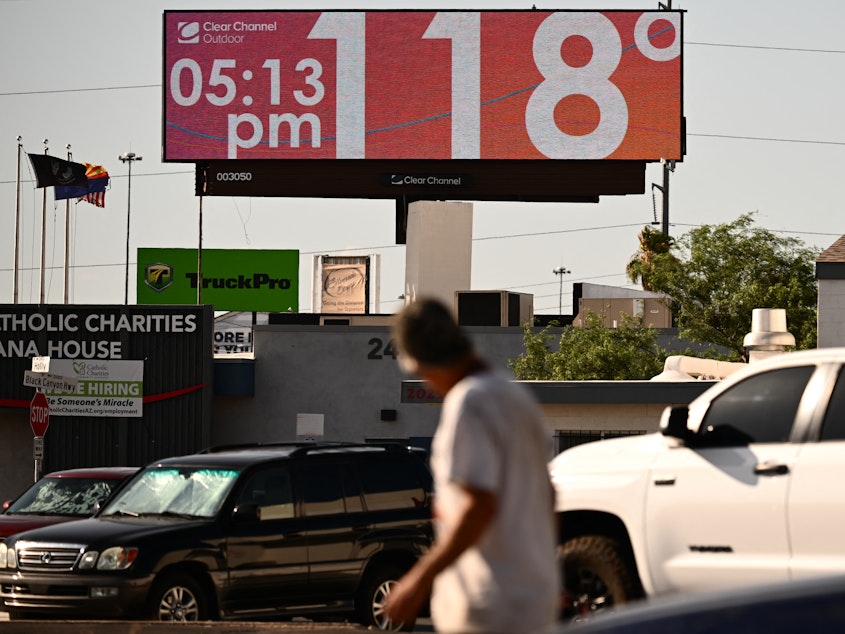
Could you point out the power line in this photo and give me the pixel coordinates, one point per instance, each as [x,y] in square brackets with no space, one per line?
[760,138]
[64,90]
[767,48]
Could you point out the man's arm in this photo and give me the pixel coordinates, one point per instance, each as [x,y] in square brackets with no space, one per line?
[478,509]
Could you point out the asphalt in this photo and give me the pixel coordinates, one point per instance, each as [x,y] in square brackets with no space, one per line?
[152,627]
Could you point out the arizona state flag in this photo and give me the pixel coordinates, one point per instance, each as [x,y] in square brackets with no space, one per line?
[51,171]
[94,192]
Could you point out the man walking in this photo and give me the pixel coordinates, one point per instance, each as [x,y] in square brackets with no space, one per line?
[492,567]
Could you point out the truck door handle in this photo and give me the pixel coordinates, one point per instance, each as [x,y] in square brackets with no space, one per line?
[771,468]
[664,481]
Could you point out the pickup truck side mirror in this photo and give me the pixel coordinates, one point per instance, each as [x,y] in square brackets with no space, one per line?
[673,422]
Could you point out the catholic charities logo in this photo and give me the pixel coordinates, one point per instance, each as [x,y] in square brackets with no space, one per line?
[158,276]
[188,32]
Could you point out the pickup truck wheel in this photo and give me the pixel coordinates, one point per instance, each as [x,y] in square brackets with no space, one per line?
[596,575]
[177,597]
[371,599]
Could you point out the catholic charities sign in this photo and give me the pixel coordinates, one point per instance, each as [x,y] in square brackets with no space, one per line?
[105,388]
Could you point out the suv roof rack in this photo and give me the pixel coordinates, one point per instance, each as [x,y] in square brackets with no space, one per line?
[304,447]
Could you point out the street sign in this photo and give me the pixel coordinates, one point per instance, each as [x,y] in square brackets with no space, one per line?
[39,414]
[38,448]
[53,382]
[40,364]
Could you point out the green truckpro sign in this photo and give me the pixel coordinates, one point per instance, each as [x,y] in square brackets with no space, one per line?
[232,279]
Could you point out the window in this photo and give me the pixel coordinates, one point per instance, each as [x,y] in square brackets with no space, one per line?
[272,492]
[566,438]
[834,420]
[389,482]
[322,489]
[760,409]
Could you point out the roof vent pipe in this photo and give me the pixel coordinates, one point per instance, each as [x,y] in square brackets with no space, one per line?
[768,335]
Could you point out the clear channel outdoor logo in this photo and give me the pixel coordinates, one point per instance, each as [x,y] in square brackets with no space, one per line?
[188,32]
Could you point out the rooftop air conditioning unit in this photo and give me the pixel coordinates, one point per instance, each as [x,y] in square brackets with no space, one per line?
[494,308]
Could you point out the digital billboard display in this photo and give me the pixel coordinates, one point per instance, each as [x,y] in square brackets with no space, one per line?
[422,85]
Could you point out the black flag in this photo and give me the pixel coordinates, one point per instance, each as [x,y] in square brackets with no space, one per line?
[51,171]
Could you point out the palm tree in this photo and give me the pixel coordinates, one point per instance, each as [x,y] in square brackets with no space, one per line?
[652,243]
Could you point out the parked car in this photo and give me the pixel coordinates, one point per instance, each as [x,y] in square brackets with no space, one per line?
[809,606]
[249,532]
[741,487]
[61,496]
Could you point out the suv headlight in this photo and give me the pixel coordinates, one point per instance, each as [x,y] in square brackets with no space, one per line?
[8,559]
[117,558]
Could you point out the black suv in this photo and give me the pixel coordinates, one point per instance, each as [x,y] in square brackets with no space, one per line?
[245,532]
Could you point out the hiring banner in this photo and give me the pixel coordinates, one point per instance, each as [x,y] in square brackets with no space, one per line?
[104,388]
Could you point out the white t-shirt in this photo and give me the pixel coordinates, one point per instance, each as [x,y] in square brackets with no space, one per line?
[491,437]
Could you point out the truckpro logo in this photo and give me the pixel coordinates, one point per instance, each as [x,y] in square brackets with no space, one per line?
[158,276]
[256,281]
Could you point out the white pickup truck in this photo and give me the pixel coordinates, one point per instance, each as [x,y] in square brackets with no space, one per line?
[745,485]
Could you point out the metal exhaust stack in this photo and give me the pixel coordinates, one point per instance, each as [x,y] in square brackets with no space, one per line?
[768,335]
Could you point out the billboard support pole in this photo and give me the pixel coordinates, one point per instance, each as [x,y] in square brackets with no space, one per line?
[668,166]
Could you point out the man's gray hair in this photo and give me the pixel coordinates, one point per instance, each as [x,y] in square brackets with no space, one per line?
[427,333]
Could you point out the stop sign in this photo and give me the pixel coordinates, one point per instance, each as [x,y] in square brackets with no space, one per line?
[39,414]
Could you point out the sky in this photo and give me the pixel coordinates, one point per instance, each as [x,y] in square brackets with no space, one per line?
[763,100]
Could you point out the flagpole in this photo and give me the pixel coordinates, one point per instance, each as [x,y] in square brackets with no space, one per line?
[43,231]
[199,259]
[17,220]
[67,231]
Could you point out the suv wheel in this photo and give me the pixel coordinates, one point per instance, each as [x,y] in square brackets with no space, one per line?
[371,599]
[177,597]
[596,575]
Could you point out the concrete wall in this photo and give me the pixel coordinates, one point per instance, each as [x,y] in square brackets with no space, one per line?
[348,374]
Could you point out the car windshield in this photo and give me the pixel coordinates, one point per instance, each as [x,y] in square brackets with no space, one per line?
[63,496]
[169,491]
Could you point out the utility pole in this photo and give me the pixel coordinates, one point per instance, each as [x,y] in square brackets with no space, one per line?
[128,157]
[560,272]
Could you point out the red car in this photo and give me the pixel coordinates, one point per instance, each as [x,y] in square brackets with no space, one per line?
[61,496]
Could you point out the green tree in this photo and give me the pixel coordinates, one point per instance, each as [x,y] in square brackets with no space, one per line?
[591,352]
[716,275]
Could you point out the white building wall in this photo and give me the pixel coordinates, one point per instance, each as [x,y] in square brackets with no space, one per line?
[831,313]
[438,254]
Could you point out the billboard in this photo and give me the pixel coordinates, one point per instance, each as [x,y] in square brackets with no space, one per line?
[345,282]
[231,279]
[422,85]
